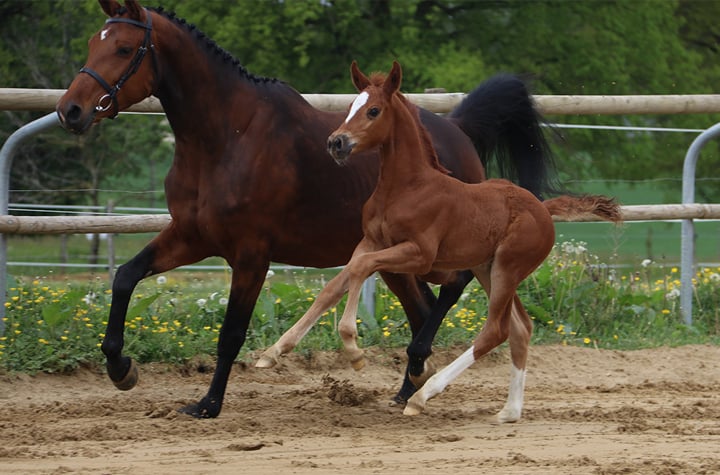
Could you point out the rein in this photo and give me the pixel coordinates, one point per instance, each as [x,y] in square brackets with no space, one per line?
[110,98]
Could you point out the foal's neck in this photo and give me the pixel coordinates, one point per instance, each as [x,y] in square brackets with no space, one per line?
[408,152]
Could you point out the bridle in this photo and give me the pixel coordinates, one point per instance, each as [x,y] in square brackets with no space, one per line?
[110,98]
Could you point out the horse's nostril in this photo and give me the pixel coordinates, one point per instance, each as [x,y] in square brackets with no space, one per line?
[338,143]
[73,113]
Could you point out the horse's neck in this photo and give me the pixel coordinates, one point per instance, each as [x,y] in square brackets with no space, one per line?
[199,93]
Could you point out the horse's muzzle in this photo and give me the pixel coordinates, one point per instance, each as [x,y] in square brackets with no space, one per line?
[73,118]
[340,147]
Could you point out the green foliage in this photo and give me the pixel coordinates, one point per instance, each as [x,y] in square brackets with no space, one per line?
[573,298]
[589,47]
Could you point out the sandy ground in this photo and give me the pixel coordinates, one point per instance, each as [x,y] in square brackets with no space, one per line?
[587,411]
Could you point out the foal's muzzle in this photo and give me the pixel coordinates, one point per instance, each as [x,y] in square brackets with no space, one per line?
[340,147]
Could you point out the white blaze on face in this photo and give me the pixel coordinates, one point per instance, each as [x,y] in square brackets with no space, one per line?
[359,101]
[103,34]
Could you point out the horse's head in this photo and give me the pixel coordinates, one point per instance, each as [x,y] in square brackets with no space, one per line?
[120,68]
[367,124]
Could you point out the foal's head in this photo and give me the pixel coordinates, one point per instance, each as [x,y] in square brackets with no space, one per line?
[368,123]
[119,70]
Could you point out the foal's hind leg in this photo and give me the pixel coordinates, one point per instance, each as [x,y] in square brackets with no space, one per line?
[420,348]
[520,333]
[494,332]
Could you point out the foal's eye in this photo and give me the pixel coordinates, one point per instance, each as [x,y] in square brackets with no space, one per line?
[373,112]
[124,51]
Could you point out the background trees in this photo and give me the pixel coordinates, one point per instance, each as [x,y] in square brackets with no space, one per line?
[566,47]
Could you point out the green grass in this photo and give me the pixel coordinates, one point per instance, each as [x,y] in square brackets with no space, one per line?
[574,298]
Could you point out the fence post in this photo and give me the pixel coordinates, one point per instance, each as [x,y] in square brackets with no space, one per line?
[687,243]
[6,155]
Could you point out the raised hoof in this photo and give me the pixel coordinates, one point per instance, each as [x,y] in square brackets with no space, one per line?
[413,408]
[265,362]
[129,380]
[201,410]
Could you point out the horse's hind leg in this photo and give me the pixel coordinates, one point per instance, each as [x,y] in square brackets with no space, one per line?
[419,304]
[520,333]
[420,348]
[494,332]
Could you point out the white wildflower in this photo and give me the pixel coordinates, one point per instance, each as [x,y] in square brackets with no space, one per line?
[646,262]
[201,302]
[269,274]
[223,301]
[673,294]
[89,298]
[161,280]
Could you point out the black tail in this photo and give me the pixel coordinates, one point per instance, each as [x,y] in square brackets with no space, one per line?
[500,118]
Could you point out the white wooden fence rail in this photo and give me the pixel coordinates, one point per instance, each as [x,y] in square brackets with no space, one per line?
[155,222]
[44,100]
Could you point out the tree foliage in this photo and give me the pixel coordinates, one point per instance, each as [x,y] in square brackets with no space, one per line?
[566,47]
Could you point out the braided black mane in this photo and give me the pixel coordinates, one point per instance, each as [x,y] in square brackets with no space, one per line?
[212,47]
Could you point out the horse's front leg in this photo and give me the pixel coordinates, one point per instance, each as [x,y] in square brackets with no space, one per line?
[247,281]
[165,252]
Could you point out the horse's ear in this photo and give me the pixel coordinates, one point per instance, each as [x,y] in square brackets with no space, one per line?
[135,10]
[358,78]
[110,7]
[393,80]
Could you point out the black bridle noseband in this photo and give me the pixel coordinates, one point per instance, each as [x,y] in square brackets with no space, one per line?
[110,98]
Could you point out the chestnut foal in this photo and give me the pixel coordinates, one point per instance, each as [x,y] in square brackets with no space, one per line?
[421,221]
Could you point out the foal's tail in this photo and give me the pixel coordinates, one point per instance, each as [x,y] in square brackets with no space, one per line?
[569,207]
[501,120]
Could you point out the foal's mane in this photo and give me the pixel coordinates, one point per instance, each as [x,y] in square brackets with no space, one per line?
[377,79]
[212,47]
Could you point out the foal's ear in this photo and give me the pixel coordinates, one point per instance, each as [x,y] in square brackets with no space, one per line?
[359,79]
[110,7]
[393,80]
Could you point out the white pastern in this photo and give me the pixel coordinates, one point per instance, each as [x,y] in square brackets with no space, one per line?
[513,408]
[359,101]
[442,378]
[103,34]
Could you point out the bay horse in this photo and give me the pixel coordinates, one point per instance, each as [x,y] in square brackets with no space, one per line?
[251,180]
[421,221]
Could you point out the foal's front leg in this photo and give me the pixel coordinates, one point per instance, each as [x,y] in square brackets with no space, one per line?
[404,258]
[327,298]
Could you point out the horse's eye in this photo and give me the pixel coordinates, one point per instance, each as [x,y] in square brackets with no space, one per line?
[373,112]
[124,51]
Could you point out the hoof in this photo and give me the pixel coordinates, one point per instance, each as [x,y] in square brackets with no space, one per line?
[129,380]
[265,362]
[201,410]
[358,363]
[268,359]
[507,416]
[420,379]
[413,408]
